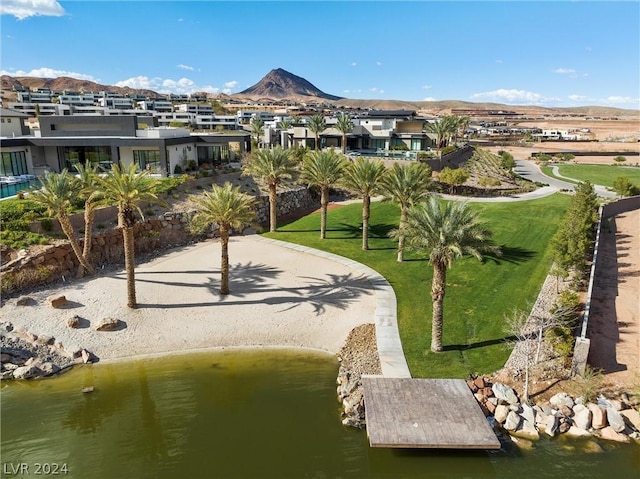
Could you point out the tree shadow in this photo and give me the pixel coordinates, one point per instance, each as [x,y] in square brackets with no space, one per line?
[479,344]
[336,291]
[511,254]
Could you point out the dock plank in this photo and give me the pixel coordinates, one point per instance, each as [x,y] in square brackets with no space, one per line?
[425,413]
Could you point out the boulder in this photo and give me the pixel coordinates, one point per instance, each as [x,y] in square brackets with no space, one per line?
[610,434]
[528,414]
[491,408]
[108,324]
[57,301]
[480,382]
[49,368]
[504,393]
[561,399]
[87,357]
[74,322]
[512,422]
[615,420]
[632,417]
[598,416]
[563,426]
[472,386]
[26,372]
[527,430]
[566,411]
[88,389]
[501,413]
[9,366]
[45,339]
[582,417]
[551,426]
[25,301]
[578,432]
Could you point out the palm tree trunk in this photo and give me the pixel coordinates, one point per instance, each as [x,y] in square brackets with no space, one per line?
[89,214]
[130,265]
[403,220]
[317,143]
[67,228]
[437,295]
[273,198]
[344,143]
[324,201]
[366,207]
[224,260]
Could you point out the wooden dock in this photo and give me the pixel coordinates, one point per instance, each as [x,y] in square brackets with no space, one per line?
[425,413]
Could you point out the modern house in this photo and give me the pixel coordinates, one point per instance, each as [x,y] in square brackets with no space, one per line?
[64,141]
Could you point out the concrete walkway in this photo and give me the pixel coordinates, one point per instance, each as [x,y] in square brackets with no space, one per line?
[599,189]
[392,360]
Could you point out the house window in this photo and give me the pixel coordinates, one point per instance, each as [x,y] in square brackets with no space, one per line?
[87,155]
[147,160]
[13,164]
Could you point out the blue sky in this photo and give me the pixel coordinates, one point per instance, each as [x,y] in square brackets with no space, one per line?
[543,53]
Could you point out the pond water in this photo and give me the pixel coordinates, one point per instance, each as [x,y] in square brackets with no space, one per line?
[240,414]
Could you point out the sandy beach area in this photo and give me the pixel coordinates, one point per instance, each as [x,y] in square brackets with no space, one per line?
[279,297]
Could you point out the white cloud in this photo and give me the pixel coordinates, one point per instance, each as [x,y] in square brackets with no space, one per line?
[578,98]
[231,84]
[622,100]
[378,64]
[354,64]
[22,9]
[167,85]
[564,71]
[181,19]
[426,87]
[45,72]
[514,96]
[373,89]
[499,61]
[185,67]
[429,98]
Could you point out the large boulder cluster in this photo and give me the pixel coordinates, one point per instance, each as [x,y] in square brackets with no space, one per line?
[609,419]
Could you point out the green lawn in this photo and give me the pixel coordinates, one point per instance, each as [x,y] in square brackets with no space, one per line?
[478,294]
[597,174]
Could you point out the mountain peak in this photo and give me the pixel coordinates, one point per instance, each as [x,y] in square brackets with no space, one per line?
[279,84]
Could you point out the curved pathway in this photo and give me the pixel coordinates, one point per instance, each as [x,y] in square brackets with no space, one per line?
[599,189]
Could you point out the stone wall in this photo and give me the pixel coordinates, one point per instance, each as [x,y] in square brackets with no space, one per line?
[290,202]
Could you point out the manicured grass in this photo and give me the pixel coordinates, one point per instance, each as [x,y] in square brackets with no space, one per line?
[597,174]
[478,294]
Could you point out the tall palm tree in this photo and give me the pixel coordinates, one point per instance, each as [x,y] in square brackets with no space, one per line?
[405,185]
[344,126]
[445,231]
[88,175]
[363,177]
[57,193]
[228,208]
[271,168]
[126,187]
[317,125]
[323,169]
[444,129]
[257,127]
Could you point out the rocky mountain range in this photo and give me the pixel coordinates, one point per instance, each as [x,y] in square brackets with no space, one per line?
[279,84]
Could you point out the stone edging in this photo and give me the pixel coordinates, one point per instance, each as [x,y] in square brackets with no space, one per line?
[392,360]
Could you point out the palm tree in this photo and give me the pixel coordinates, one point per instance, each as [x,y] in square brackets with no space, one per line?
[363,178]
[257,127]
[228,208]
[317,125]
[323,169]
[405,185]
[88,175]
[126,187]
[344,126]
[271,167]
[444,129]
[57,193]
[445,231]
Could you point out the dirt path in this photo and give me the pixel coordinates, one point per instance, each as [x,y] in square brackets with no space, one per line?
[614,325]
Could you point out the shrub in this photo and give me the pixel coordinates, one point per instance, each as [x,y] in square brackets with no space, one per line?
[177,170]
[589,384]
[448,149]
[619,159]
[47,224]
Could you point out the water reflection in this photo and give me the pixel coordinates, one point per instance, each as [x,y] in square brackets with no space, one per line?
[242,414]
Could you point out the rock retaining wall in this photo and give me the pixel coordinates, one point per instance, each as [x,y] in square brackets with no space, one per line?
[603,418]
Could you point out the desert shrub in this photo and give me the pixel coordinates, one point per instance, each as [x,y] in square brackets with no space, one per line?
[448,149]
[544,157]
[589,384]
[619,159]
[561,339]
[485,181]
[47,224]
